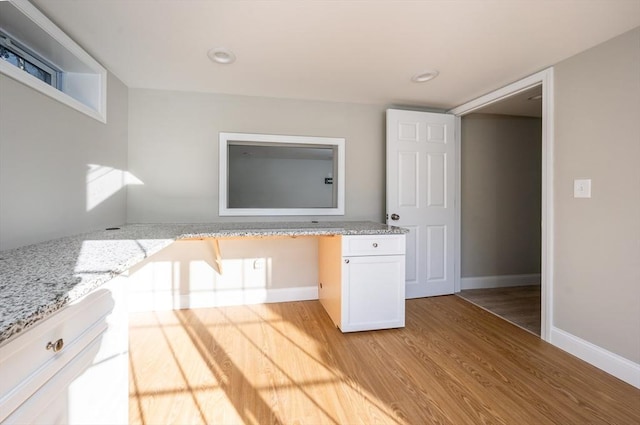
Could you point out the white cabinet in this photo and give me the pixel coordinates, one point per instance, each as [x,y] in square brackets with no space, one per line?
[72,367]
[361,281]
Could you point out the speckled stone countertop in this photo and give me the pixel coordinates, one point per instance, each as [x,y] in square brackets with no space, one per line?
[37,280]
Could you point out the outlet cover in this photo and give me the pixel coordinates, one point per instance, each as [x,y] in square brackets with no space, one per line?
[582,188]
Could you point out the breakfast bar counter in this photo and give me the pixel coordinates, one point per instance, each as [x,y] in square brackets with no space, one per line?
[38,280]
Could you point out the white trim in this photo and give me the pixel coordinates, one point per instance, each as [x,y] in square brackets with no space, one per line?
[544,78]
[248,297]
[502,281]
[166,301]
[611,363]
[547,218]
[44,88]
[86,95]
[225,138]
[500,94]
[457,265]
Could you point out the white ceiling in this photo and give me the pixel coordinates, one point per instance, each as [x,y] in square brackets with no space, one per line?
[353,51]
[522,104]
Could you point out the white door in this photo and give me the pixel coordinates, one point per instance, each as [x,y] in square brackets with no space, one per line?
[420,196]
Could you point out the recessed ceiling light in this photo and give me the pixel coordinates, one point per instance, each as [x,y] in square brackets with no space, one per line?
[535,97]
[221,55]
[425,76]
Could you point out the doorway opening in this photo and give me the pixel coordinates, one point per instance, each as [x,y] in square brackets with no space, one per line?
[485,256]
[501,199]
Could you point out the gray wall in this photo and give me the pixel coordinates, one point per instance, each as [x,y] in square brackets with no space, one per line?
[501,166]
[46,149]
[597,240]
[173,150]
[279,182]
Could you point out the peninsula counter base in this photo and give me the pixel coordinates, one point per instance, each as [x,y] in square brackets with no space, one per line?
[359,279]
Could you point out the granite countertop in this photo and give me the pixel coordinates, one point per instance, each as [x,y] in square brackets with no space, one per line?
[37,280]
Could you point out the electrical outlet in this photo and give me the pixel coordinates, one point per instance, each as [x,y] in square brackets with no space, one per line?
[582,188]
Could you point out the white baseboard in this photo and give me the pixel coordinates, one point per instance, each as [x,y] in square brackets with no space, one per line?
[502,281]
[611,363]
[167,300]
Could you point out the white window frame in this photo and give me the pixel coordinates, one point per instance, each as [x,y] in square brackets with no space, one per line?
[85,90]
[24,53]
[339,177]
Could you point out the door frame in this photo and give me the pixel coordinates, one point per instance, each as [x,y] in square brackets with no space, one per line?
[545,79]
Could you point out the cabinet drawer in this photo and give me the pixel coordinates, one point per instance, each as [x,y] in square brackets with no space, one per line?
[373,245]
[26,363]
[51,404]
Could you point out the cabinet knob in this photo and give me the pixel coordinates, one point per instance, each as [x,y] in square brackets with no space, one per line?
[375,244]
[55,346]
[395,217]
[346,261]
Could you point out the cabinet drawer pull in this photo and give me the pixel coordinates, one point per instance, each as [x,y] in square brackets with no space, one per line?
[375,244]
[346,261]
[55,346]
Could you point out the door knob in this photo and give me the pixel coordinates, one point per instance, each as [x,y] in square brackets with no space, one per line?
[395,217]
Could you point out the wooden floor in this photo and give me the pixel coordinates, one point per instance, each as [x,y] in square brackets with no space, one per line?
[518,304]
[286,363]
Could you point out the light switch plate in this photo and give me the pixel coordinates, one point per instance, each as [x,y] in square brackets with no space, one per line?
[582,188]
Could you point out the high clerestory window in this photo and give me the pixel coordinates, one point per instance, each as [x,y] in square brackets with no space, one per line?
[38,54]
[19,56]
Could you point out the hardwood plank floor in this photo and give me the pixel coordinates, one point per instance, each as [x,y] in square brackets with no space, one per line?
[517,304]
[286,363]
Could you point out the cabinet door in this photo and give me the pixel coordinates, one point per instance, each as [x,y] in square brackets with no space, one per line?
[373,292]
